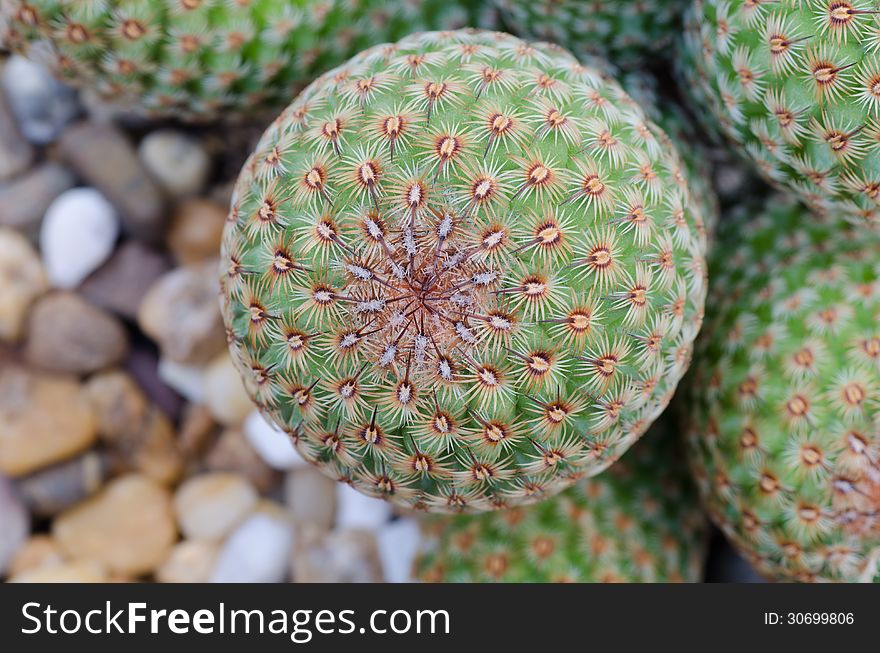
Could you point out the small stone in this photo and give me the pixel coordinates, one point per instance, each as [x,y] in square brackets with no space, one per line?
[104,157]
[196,432]
[225,395]
[178,162]
[143,365]
[181,313]
[119,403]
[210,505]
[338,557]
[357,510]
[191,561]
[22,280]
[16,153]
[121,283]
[258,551]
[129,527]
[233,453]
[398,543]
[273,444]
[42,105]
[150,447]
[16,523]
[25,200]
[310,497]
[77,235]
[81,571]
[44,419]
[186,380]
[67,334]
[196,231]
[39,551]
[57,488]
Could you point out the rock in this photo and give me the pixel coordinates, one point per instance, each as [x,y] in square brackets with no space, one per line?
[143,365]
[22,280]
[121,283]
[357,510]
[77,235]
[57,488]
[398,544]
[273,444]
[225,395]
[67,334]
[118,402]
[44,419]
[196,231]
[191,561]
[128,528]
[186,380]
[233,453]
[38,551]
[311,497]
[42,105]
[181,313]
[210,505]
[178,162]
[196,432]
[338,557]
[150,447]
[25,200]
[103,156]
[258,551]
[16,153]
[16,523]
[82,571]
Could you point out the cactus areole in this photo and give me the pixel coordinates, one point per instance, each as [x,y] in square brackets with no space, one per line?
[462,272]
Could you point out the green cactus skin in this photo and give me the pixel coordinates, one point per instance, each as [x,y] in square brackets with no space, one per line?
[781,407]
[638,522]
[203,59]
[462,271]
[795,85]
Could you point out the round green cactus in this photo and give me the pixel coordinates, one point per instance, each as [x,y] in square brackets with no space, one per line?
[202,59]
[462,271]
[795,84]
[638,522]
[782,404]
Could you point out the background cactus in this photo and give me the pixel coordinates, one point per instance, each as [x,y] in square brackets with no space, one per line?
[638,522]
[781,405]
[463,271]
[201,59]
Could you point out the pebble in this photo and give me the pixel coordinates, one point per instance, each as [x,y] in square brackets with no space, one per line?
[42,105]
[273,444]
[398,543]
[225,395]
[310,497]
[39,551]
[233,453]
[16,153]
[129,527]
[45,418]
[178,162]
[81,571]
[150,447]
[181,313]
[143,365]
[118,402]
[210,505]
[120,284]
[16,523]
[65,333]
[78,233]
[338,557]
[357,510]
[22,280]
[25,200]
[57,488]
[196,230]
[258,551]
[196,432]
[104,157]
[186,380]
[191,561]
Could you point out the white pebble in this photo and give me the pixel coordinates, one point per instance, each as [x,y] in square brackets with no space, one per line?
[179,163]
[398,543]
[78,234]
[258,551]
[271,443]
[357,510]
